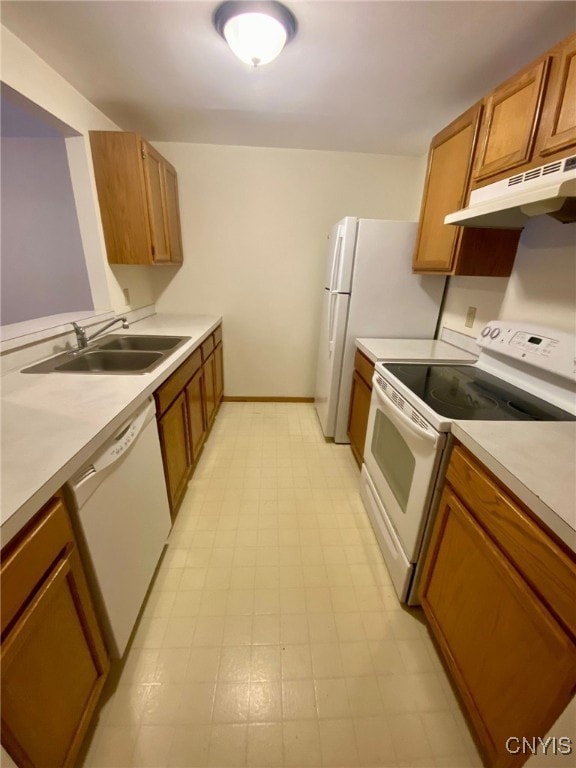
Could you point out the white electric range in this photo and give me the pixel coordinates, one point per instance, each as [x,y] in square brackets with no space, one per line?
[523,373]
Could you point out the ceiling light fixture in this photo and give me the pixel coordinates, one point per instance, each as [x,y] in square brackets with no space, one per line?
[255,31]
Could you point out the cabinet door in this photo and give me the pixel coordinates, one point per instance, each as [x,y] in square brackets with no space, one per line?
[119,175]
[219,372]
[154,179]
[358,416]
[562,104]
[52,672]
[175,443]
[196,416]
[445,191]
[210,388]
[513,664]
[510,122]
[172,213]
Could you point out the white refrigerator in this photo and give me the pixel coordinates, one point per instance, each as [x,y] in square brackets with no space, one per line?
[369,291]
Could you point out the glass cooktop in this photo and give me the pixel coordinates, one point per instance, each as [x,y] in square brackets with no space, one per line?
[468,392]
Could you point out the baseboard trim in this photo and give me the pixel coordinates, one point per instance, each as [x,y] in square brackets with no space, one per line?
[248,399]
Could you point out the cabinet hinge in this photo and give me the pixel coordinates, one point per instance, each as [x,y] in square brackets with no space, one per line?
[143,154]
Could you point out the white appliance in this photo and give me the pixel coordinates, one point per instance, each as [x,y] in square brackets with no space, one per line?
[522,374]
[369,290]
[509,203]
[123,519]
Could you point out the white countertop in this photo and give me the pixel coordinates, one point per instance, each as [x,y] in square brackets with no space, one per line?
[535,460]
[403,350]
[53,423]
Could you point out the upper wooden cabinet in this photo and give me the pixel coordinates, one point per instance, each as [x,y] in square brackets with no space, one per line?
[510,121]
[138,196]
[173,213]
[445,249]
[530,120]
[559,119]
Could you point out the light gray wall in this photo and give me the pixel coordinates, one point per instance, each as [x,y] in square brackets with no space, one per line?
[255,223]
[541,289]
[43,267]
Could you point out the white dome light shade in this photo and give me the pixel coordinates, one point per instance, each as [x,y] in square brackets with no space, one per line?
[256,31]
[255,37]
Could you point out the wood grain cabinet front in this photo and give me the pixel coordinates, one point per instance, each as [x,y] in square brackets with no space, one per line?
[498,593]
[558,131]
[511,120]
[219,370]
[186,406]
[529,120]
[209,367]
[360,404]
[195,399]
[175,444]
[443,248]
[54,662]
[138,197]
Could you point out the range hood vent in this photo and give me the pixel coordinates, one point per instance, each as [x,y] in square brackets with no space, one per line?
[509,203]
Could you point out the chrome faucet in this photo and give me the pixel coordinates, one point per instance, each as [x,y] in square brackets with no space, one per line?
[83,339]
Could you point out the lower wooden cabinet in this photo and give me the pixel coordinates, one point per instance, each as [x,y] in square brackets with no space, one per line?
[196,413]
[360,404]
[210,388]
[498,593]
[54,662]
[186,405]
[176,452]
[219,373]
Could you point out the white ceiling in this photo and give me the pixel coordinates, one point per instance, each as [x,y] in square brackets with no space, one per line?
[379,76]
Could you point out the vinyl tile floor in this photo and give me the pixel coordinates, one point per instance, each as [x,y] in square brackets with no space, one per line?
[272,635]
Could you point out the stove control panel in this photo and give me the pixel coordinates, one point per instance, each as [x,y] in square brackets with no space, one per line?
[546,348]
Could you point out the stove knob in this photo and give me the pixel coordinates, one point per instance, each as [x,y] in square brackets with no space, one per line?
[495,333]
[486,331]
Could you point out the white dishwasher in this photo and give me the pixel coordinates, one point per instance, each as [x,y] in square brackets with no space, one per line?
[123,516]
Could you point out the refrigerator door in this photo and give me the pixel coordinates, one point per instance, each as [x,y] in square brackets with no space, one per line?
[332,336]
[340,262]
[387,300]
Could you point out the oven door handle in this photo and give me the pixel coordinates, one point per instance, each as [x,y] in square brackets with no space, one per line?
[395,414]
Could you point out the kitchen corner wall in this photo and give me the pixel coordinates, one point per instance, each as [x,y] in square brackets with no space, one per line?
[255,223]
[541,289]
[28,74]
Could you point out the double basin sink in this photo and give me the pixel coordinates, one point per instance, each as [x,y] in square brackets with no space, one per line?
[113,354]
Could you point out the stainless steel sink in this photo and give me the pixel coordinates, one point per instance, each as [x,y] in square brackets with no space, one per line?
[113,354]
[112,361]
[146,343]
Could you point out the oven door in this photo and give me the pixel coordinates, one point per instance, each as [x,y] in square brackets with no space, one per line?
[402,455]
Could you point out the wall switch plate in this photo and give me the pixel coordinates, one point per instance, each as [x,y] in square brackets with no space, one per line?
[126,293]
[470,317]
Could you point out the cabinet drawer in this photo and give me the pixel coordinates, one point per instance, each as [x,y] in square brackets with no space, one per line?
[549,570]
[172,387]
[207,347]
[364,367]
[217,335]
[25,564]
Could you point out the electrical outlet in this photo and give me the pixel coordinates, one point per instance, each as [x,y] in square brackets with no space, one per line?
[470,317]
[126,293]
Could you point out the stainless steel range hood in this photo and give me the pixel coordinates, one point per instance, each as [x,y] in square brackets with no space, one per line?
[508,204]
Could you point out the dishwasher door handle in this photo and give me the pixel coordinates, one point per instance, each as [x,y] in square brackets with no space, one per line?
[85,482]
[122,441]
